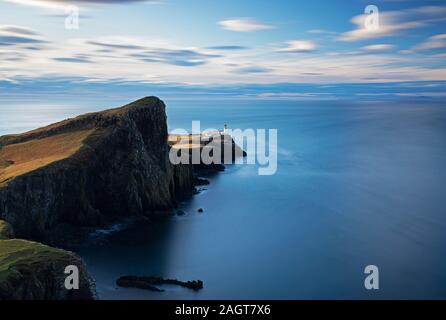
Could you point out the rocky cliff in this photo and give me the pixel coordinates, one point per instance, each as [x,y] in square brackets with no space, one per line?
[33,271]
[90,170]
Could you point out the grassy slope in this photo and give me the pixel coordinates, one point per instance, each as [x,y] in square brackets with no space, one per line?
[31,270]
[20,158]
[16,254]
[26,152]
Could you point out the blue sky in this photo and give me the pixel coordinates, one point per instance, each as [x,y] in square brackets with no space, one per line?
[290,49]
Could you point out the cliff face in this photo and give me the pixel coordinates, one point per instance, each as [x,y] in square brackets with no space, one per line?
[90,170]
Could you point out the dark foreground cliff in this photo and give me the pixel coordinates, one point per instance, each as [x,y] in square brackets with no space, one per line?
[89,171]
[33,271]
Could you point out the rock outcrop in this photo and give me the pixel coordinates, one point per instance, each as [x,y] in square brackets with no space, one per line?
[33,271]
[90,170]
[151,283]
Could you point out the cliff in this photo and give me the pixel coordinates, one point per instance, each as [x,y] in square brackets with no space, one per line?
[33,271]
[89,171]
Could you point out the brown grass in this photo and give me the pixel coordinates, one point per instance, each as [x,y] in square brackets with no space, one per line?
[20,158]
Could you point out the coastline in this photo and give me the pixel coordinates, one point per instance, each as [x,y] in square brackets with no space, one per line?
[51,161]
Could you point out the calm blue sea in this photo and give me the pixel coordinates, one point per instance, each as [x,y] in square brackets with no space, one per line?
[358,183]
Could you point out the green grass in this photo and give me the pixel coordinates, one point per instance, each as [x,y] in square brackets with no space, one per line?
[19,256]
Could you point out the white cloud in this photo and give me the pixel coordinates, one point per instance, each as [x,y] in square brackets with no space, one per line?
[244,25]
[14,35]
[298,46]
[435,42]
[147,60]
[395,22]
[40,3]
[423,94]
[56,4]
[378,47]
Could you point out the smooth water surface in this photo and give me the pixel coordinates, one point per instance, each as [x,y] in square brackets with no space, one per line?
[357,184]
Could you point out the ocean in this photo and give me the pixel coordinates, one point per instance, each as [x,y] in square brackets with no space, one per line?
[358,183]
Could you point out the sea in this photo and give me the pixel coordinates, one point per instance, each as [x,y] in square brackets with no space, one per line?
[358,183]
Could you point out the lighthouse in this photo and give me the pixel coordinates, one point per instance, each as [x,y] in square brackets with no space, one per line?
[225,130]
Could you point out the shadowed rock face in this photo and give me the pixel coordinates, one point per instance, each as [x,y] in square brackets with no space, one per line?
[117,166]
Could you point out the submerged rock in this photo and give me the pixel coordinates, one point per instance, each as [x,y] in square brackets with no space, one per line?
[150,283]
[137,282]
[201,182]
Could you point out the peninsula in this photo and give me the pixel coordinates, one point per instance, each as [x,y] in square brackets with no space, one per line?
[86,172]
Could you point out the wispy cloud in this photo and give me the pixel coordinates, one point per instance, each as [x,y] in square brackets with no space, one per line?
[11,35]
[116,44]
[435,42]
[141,59]
[298,46]
[17,30]
[228,47]
[178,57]
[146,59]
[56,4]
[79,59]
[395,22]
[6,40]
[378,47]
[321,31]
[147,51]
[244,25]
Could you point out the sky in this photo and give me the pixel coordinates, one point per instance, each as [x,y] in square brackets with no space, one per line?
[266,49]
